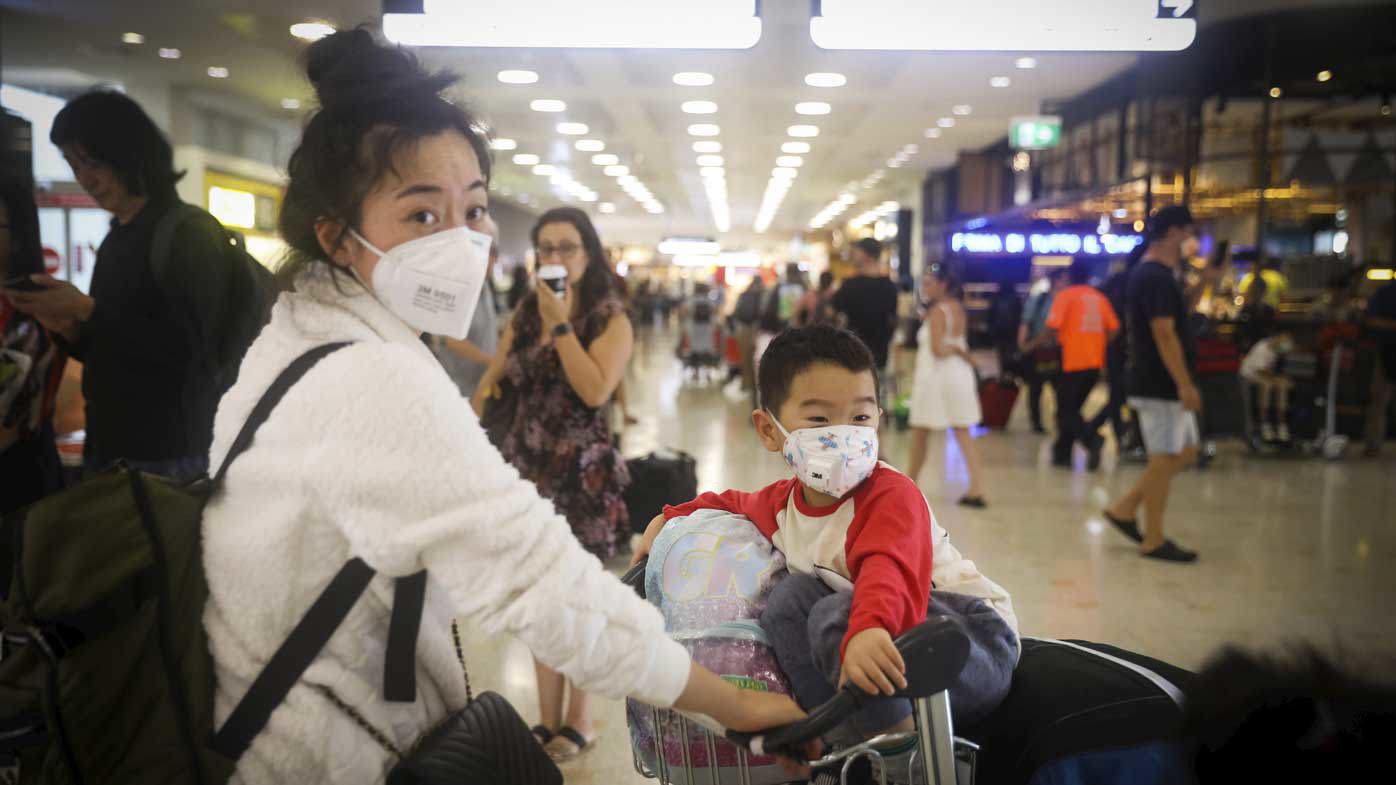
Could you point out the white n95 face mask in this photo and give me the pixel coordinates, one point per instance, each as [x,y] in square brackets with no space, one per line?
[433,283]
[832,459]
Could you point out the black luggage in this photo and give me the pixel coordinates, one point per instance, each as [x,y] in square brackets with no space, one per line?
[1084,712]
[660,478]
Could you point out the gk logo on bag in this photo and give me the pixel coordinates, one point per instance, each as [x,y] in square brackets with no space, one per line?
[705,565]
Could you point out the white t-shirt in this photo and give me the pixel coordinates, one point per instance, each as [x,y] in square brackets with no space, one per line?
[1260,359]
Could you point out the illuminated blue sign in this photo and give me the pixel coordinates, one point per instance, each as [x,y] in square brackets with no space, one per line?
[1054,244]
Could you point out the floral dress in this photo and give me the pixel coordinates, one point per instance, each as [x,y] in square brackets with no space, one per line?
[560,444]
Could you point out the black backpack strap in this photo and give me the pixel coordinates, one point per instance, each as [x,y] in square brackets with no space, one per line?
[293,373]
[290,661]
[164,234]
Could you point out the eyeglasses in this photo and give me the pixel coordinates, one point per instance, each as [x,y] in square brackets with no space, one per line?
[564,251]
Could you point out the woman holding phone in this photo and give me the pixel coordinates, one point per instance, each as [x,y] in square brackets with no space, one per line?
[544,403]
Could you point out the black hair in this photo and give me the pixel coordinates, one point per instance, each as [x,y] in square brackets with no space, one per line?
[798,349]
[598,284]
[115,131]
[826,281]
[941,272]
[1080,271]
[871,247]
[376,102]
[1165,218]
[26,249]
[1294,718]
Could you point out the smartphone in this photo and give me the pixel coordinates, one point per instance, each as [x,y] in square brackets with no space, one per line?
[555,276]
[21,283]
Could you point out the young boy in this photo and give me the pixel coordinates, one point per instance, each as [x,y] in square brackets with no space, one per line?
[861,544]
[1259,368]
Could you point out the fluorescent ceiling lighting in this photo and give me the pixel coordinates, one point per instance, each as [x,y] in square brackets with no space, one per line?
[911,149]
[612,170]
[699,107]
[812,108]
[946,122]
[962,110]
[1000,81]
[710,160]
[795,148]
[606,207]
[703,129]
[826,79]
[547,105]
[545,170]
[675,246]
[312,29]
[707,147]
[590,145]
[605,159]
[894,163]
[572,129]
[170,53]
[713,171]
[606,24]
[518,77]
[134,39]
[218,72]
[806,131]
[785,172]
[932,133]
[290,103]
[1026,63]
[1005,25]
[495,144]
[526,159]
[789,160]
[589,197]
[693,79]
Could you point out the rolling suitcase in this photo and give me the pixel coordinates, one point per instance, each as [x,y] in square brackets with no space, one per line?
[996,399]
[660,478]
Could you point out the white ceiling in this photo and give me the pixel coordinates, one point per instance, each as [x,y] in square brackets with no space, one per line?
[626,97]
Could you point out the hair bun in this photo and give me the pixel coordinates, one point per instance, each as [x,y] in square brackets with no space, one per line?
[350,68]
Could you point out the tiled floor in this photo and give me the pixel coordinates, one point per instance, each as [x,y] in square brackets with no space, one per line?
[1291,550]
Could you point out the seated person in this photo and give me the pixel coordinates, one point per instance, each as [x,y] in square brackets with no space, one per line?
[1258,368]
[862,546]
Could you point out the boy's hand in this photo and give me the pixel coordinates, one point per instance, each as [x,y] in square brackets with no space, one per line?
[872,662]
[647,541]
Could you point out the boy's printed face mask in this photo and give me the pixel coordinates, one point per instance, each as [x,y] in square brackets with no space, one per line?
[832,459]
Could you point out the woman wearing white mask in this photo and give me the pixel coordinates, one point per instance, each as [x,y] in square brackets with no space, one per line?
[545,403]
[373,456]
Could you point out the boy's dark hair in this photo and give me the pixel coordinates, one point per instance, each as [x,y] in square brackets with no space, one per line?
[1292,718]
[871,247]
[114,130]
[798,349]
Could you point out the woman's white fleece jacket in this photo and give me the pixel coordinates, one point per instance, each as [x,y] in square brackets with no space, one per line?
[375,454]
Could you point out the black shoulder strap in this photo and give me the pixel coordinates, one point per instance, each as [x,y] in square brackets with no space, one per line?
[293,373]
[328,611]
[289,662]
[164,236]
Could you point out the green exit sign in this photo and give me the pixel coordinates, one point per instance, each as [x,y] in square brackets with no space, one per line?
[1035,133]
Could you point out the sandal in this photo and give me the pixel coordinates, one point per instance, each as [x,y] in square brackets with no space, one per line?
[977,502]
[569,744]
[1128,528]
[542,734]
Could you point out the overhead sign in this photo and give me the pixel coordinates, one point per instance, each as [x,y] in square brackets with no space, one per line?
[1007,25]
[1035,133]
[1043,244]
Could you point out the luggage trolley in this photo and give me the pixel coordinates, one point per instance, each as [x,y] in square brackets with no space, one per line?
[706,754]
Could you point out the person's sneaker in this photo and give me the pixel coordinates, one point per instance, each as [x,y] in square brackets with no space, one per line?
[1267,432]
[1282,432]
[1060,462]
[1093,455]
[1170,551]
[1135,455]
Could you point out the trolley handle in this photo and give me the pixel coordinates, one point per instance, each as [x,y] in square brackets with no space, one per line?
[934,651]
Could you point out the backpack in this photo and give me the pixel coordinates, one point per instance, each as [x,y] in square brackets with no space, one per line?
[105,671]
[660,478]
[748,309]
[247,297]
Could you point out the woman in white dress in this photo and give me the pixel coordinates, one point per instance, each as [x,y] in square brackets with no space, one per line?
[945,395]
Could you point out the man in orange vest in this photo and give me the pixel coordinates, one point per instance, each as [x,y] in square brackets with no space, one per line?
[1084,323]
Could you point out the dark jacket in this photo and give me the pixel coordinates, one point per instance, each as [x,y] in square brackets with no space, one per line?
[149,351]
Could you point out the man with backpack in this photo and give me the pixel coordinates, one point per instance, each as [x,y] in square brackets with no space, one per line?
[173,305]
[746,314]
